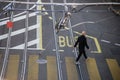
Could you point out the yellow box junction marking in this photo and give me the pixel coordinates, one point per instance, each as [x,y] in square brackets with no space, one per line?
[114,68]
[51,68]
[96,43]
[92,69]
[12,70]
[95,39]
[33,67]
[71,69]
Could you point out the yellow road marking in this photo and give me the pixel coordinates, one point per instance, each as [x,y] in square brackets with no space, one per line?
[96,43]
[71,69]
[92,69]
[12,70]
[33,67]
[114,68]
[40,29]
[51,68]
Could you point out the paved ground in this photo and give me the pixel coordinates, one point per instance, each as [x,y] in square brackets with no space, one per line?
[102,28]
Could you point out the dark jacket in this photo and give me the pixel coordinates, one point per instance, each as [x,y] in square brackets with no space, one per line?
[82,43]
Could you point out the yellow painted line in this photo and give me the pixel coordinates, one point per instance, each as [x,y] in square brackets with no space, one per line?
[40,29]
[12,70]
[114,68]
[33,67]
[92,69]
[71,69]
[96,43]
[51,68]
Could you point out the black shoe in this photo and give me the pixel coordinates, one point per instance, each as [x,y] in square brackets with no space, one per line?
[86,58]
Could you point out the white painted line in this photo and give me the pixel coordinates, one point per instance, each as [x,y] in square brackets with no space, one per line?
[117,44]
[22,49]
[4,36]
[18,18]
[105,41]
[107,18]
[76,25]
[87,22]
[61,50]
[58,50]
[3,19]
[18,14]
[30,43]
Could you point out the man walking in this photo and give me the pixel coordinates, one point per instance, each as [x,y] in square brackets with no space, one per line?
[82,44]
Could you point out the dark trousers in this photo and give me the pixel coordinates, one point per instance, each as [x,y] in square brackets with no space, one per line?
[79,55]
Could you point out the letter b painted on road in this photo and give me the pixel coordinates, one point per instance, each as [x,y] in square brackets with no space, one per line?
[64,41]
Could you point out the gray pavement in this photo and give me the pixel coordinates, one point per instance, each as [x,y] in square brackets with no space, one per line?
[99,23]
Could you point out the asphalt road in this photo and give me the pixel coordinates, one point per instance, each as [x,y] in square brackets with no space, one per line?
[101,25]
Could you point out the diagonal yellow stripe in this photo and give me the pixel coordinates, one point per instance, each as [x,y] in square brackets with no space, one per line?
[114,68]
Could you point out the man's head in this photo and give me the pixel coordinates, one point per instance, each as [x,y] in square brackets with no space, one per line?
[83,33]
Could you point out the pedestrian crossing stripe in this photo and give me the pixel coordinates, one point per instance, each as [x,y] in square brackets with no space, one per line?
[71,68]
[92,69]
[51,66]
[114,68]
[33,68]
[12,70]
